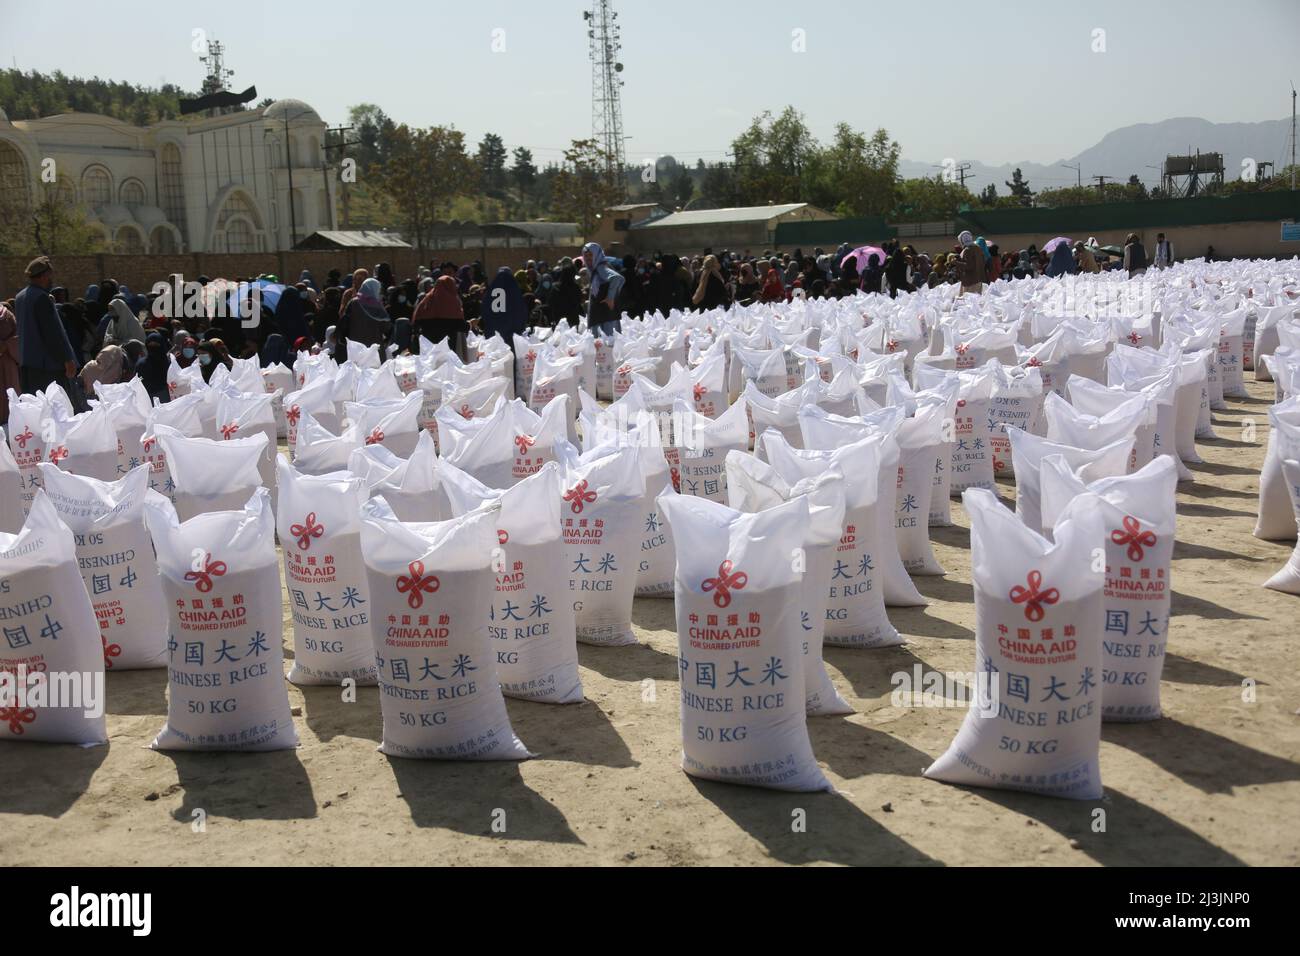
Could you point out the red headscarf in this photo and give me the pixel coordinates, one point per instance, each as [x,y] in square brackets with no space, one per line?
[773,290]
[440,302]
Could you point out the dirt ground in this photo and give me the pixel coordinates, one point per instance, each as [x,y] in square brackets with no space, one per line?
[1216,781]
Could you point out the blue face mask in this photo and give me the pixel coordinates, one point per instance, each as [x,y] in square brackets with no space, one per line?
[187,352]
[205,359]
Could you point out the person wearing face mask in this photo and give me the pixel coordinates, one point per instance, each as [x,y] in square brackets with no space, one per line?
[184,349]
[211,354]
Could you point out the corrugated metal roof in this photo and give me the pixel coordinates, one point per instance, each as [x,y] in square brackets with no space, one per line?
[699,217]
[546,231]
[359,239]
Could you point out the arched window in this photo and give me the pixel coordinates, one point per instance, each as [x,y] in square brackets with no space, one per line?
[162,241]
[132,193]
[239,236]
[129,241]
[96,186]
[173,189]
[15,189]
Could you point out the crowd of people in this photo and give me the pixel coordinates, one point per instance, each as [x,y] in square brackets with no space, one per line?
[111,333]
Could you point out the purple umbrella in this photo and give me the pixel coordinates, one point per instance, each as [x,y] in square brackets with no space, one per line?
[1050,247]
[861,253]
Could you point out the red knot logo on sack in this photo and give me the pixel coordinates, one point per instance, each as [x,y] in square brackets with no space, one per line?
[699,391]
[211,569]
[579,494]
[466,412]
[24,438]
[148,444]
[1134,537]
[1033,598]
[229,430]
[293,414]
[58,454]
[524,442]
[110,651]
[724,584]
[1134,338]
[417,584]
[304,532]
[15,717]
[375,437]
[1034,362]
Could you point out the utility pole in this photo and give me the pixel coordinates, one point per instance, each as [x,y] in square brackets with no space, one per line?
[1293,136]
[1101,184]
[1078,172]
[288,162]
[340,145]
[960,171]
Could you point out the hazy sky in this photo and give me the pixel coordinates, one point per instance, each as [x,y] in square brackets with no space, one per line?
[995,81]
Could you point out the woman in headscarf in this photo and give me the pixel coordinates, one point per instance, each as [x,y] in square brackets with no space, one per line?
[503,309]
[565,301]
[153,370]
[275,351]
[711,290]
[440,314]
[1087,261]
[123,326]
[896,273]
[184,347]
[1062,261]
[365,322]
[747,286]
[605,287]
[464,279]
[10,376]
[631,300]
[874,274]
[773,287]
[108,367]
[358,277]
[290,319]
[211,354]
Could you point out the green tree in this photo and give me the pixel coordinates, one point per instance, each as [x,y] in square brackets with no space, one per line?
[524,172]
[580,189]
[372,133]
[854,175]
[771,157]
[425,171]
[930,199]
[1020,191]
[492,163]
[683,187]
[988,197]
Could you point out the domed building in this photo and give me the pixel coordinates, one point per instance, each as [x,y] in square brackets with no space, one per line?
[250,181]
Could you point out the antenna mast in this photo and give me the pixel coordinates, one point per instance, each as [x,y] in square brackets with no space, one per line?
[218,75]
[606,103]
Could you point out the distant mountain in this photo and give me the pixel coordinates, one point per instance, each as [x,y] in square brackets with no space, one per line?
[1132,149]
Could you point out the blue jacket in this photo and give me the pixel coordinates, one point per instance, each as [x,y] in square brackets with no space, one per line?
[42,339]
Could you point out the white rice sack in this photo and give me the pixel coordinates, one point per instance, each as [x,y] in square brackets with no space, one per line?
[318,520]
[318,451]
[439,690]
[697,457]
[601,520]
[604,368]
[279,378]
[1139,512]
[211,475]
[1030,450]
[11,490]
[84,444]
[531,620]
[738,598]
[317,398]
[1069,426]
[1231,358]
[507,446]
[1039,615]
[1018,401]
[180,414]
[412,487]
[51,669]
[1287,580]
[117,563]
[1276,521]
[244,414]
[709,385]
[225,656]
[855,609]
[128,408]
[394,424]
[1098,401]
[754,486]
